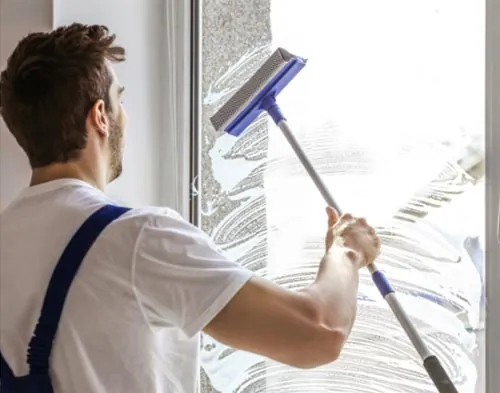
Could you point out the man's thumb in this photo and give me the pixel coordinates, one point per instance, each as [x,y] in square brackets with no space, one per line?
[333,216]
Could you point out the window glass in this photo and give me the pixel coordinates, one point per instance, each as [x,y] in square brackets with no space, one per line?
[390,110]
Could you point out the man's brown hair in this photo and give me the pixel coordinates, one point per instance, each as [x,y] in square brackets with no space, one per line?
[51,82]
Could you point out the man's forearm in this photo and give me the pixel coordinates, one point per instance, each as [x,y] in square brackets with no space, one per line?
[305,328]
[336,287]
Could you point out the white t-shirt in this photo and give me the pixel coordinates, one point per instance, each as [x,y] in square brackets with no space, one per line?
[132,318]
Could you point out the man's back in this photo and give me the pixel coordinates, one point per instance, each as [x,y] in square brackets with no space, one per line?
[127,326]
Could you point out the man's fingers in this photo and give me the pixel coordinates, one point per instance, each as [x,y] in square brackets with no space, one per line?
[362,221]
[347,217]
[333,216]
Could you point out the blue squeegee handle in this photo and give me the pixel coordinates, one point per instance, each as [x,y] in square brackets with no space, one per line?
[431,363]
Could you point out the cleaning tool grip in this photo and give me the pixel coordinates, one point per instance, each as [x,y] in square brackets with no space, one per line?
[439,376]
[382,283]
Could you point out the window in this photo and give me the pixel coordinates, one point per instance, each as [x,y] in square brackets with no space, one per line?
[390,109]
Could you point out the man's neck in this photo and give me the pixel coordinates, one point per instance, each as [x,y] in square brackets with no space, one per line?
[65,171]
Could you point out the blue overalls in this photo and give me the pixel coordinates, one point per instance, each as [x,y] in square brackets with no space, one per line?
[40,346]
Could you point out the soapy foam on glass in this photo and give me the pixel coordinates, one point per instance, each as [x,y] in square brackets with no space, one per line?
[386,153]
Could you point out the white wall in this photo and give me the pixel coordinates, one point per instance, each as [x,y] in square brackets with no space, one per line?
[139,27]
[17,18]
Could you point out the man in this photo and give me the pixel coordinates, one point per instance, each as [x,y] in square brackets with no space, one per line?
[151,282]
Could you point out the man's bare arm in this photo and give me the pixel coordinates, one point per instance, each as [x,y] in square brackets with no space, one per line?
[305,328]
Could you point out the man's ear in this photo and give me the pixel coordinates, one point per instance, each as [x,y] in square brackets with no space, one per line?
[98,117]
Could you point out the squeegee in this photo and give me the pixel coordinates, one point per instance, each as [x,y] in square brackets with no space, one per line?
[258,95]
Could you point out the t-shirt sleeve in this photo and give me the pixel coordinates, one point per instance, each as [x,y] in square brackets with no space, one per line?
[179,277]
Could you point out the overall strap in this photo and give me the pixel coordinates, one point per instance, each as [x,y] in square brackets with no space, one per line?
[6,376]
[40,346]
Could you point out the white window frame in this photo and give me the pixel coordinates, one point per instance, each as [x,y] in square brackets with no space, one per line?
[175,138]
[182,167]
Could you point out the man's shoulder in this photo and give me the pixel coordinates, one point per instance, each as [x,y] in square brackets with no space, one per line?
[165,224]
[153,212]
[154,216]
